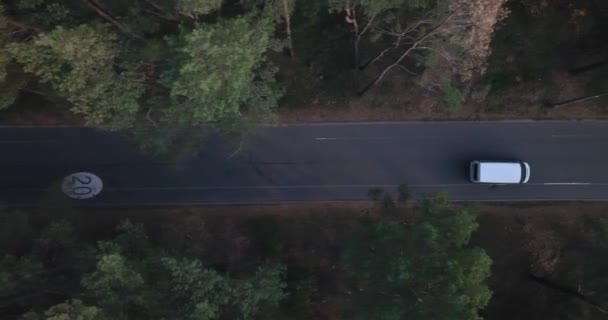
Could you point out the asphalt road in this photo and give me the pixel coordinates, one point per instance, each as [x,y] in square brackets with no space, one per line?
[317,162]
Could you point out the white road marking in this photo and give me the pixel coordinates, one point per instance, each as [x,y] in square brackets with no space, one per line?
[355,138]
[573,136]
[567,183]
[28,141]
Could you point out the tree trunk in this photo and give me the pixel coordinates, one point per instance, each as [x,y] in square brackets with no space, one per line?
[377,57]
[101,12]
[160,11]
[358,36]
[351,18]
[22,26]
[556,105]
[588,67]
[288,27]
[566,290]
[357,39]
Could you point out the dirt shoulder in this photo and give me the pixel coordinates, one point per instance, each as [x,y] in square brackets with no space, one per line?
[357,112]
[353,112]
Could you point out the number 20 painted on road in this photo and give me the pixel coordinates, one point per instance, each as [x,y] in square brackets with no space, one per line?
[81,185]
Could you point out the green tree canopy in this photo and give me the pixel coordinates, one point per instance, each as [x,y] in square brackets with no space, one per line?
[83,64]
[9,86]
[132,278]
[69,310]
[130,64]
[218,69]
[192,8]
[417,265]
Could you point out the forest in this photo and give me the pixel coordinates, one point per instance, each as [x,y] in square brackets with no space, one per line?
[155,69]
[406,262]
[393,259]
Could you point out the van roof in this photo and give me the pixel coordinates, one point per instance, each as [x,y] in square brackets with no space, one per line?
[500,172]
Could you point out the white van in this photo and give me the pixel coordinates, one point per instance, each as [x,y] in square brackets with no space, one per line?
[498,172]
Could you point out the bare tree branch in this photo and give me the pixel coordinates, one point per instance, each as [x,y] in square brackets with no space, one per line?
[156,6]
[34,91]
[102,13]
[149,118]
[22,26]
[369,23]
[400,36]
[405,69]
[413,47]
[442,54]
[381,54]
[162,16]
[571,292]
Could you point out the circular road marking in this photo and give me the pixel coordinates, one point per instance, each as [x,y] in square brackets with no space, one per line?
[81,185]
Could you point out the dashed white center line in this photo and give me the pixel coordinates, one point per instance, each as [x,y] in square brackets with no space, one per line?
[567,183]
[353,138]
